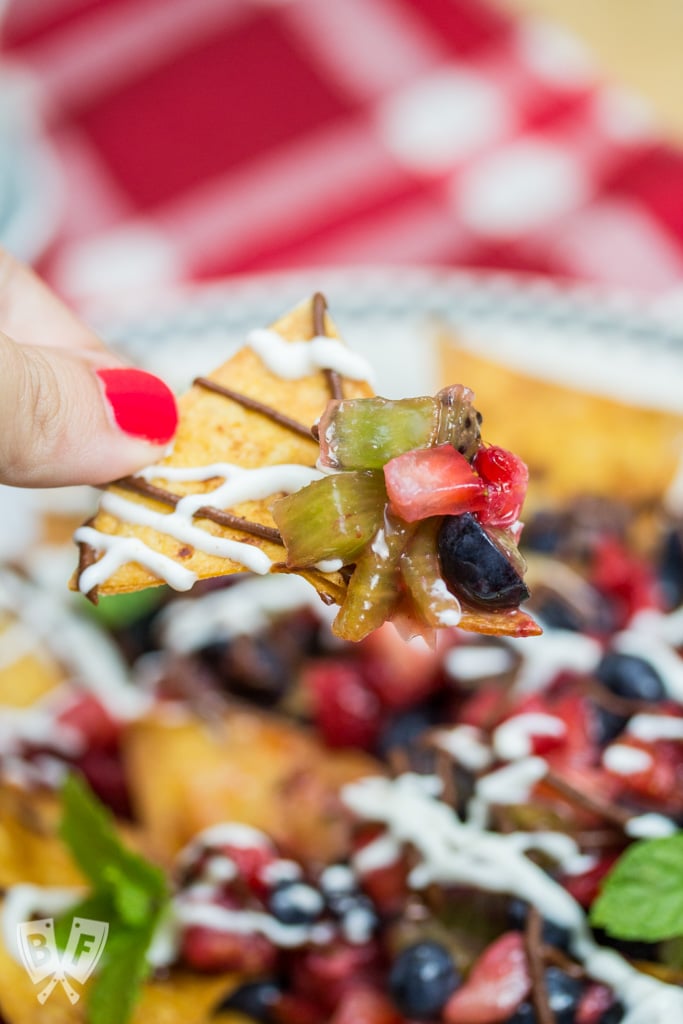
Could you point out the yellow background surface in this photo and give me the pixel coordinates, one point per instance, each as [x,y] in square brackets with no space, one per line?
[637,43]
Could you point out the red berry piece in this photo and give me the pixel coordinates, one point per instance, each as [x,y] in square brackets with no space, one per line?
[346,710]
[325,975]
[365,1005]
[496,985]
[506,478]
[251,863]
[91,720]
[432,482]
[210,950]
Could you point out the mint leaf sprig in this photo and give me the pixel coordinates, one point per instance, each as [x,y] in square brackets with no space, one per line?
[642,897]
[128,892]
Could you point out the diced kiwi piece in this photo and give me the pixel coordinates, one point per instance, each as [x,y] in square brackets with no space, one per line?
[433,603]
[459,421]
[374,590]
[332,518]
[366,433]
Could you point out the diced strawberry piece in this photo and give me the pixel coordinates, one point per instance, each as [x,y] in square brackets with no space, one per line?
[209,950]
[91,720]
[325,975]
[584,888]
[386,885]
[346,711]
[251,862]
[629,580]
[595,1001]
[484,709]
[435,481]
[506,478]
[401,673]
[496,985]
[365,1005]
[660,780]
[104,773]
[292,1008]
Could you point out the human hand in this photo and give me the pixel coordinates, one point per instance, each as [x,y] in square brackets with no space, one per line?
[70,411]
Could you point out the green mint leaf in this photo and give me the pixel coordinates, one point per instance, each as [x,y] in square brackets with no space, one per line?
[88,829]
[116,987]
[129,893]
[642,897]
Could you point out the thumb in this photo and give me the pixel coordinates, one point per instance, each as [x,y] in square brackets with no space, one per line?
[77,417]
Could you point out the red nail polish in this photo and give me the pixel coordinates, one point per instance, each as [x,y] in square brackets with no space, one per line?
[143,405]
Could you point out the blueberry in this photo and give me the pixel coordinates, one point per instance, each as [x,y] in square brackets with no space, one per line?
[607,725]
[254,999]
[295,902]
[629,676]
[564,994]
[250,667]
[422,979]
[551,933]
[403,729]
[614,1015]
[557,614]
[546,532]
[474,567]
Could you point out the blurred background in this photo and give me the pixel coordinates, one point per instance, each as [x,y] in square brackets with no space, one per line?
[147,143]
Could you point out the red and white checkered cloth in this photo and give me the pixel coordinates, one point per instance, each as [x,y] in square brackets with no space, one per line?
[200,138]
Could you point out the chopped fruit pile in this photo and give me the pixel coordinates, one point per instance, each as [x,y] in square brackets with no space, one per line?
[424,516]
[483,884]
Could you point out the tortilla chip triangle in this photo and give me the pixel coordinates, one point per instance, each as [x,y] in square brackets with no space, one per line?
[244,440]
[244,415]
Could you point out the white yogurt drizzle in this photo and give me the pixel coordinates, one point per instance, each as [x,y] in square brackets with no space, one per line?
[467,745]
[555,650]
[88,657]
[477,661]
[247,922]
[456,852]
[622,759]
[292,360]
[239,485]
[243,609]
[514,737]
[511,784]
[233,833]
[655,727]
[24,902]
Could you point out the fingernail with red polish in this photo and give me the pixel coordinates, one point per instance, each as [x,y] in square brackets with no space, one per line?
[142,405]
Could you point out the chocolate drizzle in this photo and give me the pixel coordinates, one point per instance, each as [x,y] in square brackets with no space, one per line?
[251,403]
[604,808]
[333,379]
[533,947]
[142,487]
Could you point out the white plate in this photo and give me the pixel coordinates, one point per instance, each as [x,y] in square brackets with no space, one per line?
[604,342]
[30,178]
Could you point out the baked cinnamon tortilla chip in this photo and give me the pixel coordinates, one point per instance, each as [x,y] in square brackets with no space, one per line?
[244,441]
[216,428]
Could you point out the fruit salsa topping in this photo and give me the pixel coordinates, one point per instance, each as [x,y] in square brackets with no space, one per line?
[422,514]
[483,832]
